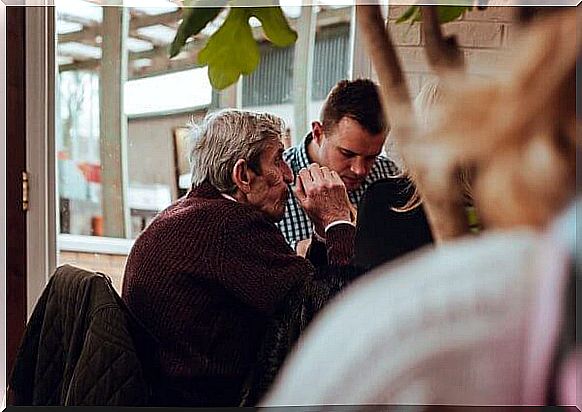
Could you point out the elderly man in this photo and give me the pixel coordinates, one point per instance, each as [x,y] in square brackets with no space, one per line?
[348,140]
[208,274]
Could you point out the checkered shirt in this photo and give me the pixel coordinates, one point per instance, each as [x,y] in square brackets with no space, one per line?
[296,225]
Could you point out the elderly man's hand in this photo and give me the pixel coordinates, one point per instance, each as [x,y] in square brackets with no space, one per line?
[322,194]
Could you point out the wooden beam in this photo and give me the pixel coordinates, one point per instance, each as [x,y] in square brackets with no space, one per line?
[80,20]
[303,73]
[147,20]
[113,124]
[332,17]
[325,19]
[158,54]
[87,35]
[135,23]
[228,98]
[91,30]
[90,34]
[91,64]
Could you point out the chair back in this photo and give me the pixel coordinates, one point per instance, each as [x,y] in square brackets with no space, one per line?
[79,347]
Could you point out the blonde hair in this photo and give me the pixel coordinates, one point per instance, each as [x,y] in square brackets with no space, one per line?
[428,107]
[427,100]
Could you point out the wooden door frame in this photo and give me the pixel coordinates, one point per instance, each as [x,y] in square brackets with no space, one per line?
[16,230]
[3,198]
[30,145]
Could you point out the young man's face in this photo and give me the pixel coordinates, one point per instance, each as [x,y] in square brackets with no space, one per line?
[349,149]
[269,188]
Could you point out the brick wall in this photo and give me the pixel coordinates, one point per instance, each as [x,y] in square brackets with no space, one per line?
[483,36]
[112,265]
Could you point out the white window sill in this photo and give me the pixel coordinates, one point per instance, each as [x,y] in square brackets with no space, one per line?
[94,244]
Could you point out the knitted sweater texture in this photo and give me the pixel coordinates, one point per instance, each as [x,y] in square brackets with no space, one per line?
[205,277]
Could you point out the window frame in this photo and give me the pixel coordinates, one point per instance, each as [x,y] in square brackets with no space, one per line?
[40,149]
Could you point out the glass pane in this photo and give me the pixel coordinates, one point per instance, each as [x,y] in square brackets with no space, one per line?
[78,152]
[159,97]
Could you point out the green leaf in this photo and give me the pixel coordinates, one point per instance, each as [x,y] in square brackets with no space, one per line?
[417,16]
[407,15]
[451,13]
[275,25]
[193,21]
[445,14]
[231,51]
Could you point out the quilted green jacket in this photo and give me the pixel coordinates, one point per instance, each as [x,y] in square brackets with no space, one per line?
[78,347]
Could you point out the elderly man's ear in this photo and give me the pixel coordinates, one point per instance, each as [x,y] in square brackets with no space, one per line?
[241,176]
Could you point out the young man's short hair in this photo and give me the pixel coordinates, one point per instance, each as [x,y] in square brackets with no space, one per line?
[358,100]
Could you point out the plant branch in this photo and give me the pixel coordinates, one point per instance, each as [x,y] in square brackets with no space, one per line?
[391,78]
[442,52]
[444,209]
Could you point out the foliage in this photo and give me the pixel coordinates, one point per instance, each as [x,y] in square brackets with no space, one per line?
[193,20]
[446,14]
[232,49]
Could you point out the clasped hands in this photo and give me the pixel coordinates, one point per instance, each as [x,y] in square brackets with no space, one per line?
[322,194]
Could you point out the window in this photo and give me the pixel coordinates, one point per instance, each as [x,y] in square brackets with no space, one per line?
[168,92]
[122,108]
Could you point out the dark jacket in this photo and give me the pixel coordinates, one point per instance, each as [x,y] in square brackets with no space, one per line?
[292,318]
[78,347]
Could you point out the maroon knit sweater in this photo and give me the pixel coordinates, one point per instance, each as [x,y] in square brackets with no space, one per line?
[204,277]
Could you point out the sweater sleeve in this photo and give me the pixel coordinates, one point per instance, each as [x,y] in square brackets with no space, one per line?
[257,264]
[338,249]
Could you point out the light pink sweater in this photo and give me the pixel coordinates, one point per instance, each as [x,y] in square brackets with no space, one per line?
[470,323]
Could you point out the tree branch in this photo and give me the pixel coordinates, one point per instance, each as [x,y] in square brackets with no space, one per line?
[444,210]
[385,60]
[442,52]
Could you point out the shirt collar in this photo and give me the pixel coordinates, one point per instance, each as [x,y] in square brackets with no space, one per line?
[302,156]
[229,197]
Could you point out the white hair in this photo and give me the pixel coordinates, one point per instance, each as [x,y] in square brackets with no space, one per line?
[226,136]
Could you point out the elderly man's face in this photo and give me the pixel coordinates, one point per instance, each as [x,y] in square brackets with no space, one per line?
[349,149]
[269,189]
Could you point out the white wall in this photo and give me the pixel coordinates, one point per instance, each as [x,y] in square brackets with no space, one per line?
[285,111]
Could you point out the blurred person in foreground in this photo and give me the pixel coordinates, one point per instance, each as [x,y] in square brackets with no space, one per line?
[211,272]
[478,321]
[348,140]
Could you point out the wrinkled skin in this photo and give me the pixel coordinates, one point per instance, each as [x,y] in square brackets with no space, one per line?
[268,190]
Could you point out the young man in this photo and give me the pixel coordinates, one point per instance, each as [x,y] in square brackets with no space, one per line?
[348,140]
